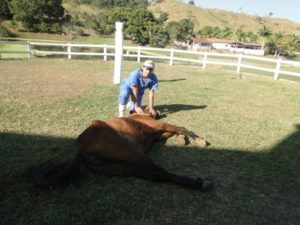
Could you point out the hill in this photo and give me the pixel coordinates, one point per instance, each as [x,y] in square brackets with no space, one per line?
[202,17]
[177,11]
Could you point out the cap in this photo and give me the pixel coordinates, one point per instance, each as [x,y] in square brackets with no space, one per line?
[149,64]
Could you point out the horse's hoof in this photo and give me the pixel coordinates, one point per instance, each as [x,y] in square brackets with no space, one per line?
[180,140]
[201,143]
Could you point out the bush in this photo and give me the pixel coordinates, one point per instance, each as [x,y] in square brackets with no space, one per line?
[43,27]
[80,32]
[56,28]
[4,32]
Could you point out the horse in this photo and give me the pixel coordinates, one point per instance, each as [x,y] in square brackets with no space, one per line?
[118,147]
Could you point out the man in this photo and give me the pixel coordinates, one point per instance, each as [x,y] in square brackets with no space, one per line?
[134,87]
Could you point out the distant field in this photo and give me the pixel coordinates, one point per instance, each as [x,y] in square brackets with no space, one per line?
[252,123]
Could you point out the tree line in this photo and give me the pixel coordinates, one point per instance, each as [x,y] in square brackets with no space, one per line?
[140,25]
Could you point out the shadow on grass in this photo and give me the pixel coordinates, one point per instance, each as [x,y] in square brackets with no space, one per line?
[250,187]
[172,80]
[172,108]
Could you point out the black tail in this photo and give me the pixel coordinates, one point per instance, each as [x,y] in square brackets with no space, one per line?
[51,174]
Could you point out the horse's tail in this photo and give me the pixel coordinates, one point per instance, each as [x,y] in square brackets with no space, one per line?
[51,174]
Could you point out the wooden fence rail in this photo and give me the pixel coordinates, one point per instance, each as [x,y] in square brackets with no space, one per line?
[171,55]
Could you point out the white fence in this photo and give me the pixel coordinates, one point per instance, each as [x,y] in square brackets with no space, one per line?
[274,66]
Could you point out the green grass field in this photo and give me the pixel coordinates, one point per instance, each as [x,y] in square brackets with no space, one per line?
[252,123]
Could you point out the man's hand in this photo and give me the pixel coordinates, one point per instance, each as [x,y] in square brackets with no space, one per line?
[153,112]
[138,110]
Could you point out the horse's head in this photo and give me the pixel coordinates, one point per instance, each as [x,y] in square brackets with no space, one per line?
[147,114]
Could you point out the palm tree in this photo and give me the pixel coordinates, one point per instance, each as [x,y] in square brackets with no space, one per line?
[251,37]
[264,32]
[226,33]
[240,35]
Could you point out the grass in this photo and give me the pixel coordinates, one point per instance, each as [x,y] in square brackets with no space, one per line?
[13,47]
[252,124]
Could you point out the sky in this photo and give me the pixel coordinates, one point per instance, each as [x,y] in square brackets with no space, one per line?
[288,9]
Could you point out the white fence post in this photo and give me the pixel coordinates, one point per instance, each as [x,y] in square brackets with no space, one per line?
[28,49]
[238,69]
[139,54]
[69,51]
[204,60]
[118,52]
[171,56]
[276,74]
[105,52]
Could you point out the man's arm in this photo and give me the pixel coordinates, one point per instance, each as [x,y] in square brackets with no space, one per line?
[137,108]
[151,103]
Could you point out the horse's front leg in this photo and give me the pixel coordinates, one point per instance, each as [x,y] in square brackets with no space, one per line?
[166,127]
[182,134]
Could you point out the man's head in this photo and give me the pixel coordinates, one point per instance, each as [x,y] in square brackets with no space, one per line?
[148,67]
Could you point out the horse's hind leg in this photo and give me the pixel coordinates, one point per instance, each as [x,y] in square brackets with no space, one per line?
[145,171]
[156,173]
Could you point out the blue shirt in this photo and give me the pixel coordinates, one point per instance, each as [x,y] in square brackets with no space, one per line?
[135,78]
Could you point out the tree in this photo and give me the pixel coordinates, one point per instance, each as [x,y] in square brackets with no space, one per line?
[120,14]
[163,17]
[5,11]
[92,23]
[215,32]
[118,3]
[173,29]
[191,2]
[159,37]
[226,33]
[38,15]
[279,43]
[265,32]
[186,30]
[139,23]
[250,36]
[206,31]
[240,35]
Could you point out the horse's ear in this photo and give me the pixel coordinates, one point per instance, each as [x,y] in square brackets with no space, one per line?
[158,115]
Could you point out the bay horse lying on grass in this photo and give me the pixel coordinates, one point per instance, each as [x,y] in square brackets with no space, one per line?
[117,147]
